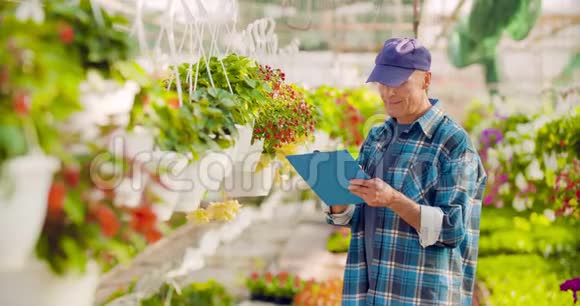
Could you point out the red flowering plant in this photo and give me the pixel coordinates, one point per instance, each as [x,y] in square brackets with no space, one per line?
[344,114]
[279,288]
[87,218]
[42,66]
[566,192]
[288,118]
[93,36]
[39,79]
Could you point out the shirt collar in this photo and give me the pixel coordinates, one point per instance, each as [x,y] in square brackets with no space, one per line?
[428,121]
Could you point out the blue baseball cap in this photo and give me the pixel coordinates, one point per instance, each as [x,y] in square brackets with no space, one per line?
[398,59]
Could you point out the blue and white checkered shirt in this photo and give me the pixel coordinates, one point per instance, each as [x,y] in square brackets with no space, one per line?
[434,165]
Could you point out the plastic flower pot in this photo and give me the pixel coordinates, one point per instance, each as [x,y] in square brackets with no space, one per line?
[37,285]
[190,198]
[247,183]
[243,141]
[172,181]
[254,155]
[23,207]
[215,166]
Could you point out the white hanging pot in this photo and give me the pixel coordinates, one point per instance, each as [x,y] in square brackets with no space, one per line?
[23,206]
[215,166]
[165,202]
[251,157]
[37,285]
[245,183]
[243,141]
[172,170]
[190,199]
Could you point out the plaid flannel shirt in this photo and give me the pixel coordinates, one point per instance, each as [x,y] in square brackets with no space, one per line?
[436,165]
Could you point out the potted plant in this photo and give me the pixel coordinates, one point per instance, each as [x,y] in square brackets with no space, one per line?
[86,230]
[91,33]
[235,74]
[202,130]
[31,102]
[81,219]
[280,288]
[287,121]
[324,293]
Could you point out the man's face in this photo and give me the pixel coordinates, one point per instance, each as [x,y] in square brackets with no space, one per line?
[408,98]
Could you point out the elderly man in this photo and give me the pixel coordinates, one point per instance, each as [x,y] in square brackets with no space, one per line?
[415,237]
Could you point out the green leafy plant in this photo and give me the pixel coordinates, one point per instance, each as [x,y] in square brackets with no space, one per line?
[234,73]
[511,233]
[339,241]
[210,293]
[279,288]
[204,122]
[39,78]
[523,257]
[97,39]
[524,280]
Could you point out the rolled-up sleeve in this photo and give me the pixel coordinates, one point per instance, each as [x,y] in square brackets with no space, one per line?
[456,192]
[341,219]
[431,223]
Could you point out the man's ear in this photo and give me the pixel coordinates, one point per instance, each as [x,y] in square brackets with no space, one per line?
[427,80]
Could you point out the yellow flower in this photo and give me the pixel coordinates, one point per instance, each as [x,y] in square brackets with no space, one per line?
[199,216]
[224,211]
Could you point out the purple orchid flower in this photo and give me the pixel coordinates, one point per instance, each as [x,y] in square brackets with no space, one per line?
[573,285]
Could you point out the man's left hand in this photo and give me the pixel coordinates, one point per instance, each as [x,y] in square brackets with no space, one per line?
[375,192]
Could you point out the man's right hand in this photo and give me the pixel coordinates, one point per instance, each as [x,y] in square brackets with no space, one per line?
[338,209]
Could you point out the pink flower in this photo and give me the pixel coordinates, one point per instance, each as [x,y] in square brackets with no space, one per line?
[488,199]
[503,178]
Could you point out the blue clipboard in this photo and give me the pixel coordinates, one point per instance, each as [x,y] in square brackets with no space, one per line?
[328,174]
